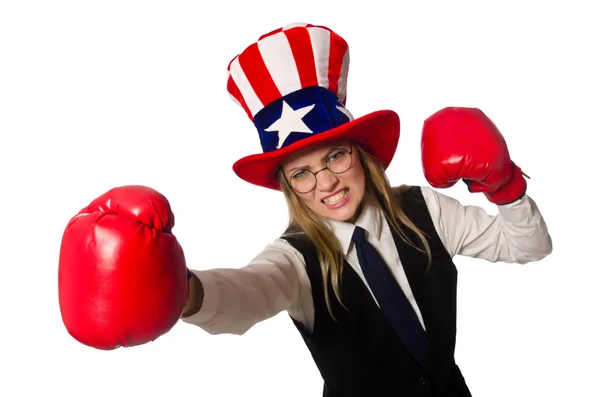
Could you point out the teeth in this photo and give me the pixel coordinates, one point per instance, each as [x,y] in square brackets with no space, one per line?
[335,199]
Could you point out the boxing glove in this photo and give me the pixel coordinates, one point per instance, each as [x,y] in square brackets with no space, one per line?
[464,144]
[122,276]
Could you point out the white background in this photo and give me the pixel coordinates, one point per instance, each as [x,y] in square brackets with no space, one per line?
[95,95]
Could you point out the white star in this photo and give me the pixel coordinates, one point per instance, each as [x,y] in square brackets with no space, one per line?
[290,121]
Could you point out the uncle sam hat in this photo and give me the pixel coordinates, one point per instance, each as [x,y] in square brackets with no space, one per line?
[292,85]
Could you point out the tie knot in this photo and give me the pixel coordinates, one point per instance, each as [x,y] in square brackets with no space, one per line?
[359,235]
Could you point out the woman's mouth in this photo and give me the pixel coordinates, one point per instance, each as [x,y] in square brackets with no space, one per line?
[338,199]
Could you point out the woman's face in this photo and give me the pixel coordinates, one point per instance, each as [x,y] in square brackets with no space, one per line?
[335,196]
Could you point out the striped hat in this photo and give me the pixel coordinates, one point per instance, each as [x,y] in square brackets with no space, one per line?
[292,85]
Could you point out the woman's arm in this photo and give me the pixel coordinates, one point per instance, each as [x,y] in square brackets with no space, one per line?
[233,300]
[517,234]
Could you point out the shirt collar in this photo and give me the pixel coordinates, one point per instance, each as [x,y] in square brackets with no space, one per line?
[369,219]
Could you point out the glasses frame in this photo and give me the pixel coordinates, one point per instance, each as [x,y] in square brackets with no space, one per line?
[322,169]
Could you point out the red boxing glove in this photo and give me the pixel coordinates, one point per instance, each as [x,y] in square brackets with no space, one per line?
[463,143]
[122,274]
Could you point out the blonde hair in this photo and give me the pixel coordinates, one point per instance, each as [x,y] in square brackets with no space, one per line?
[378,192]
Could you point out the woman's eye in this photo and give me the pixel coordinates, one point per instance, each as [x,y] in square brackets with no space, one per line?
[300,174]
[336,155]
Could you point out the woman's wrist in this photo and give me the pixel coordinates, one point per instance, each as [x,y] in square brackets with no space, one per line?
[195,296]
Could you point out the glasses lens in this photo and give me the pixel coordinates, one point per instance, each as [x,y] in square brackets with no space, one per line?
[303,181]
[339,161]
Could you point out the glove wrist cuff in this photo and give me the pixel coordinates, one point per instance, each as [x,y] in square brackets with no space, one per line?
[511,191]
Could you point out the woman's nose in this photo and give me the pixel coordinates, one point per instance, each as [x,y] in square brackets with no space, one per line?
[326,180]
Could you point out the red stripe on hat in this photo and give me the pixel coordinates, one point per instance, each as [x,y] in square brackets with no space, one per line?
[287,27]
[270,33]
[301,46]
[258,75]
[237,94]
[337,50]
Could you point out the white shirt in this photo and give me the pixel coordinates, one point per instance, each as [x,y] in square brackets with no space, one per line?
[276,279]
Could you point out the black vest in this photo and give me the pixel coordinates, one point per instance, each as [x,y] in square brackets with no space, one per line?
[360,354]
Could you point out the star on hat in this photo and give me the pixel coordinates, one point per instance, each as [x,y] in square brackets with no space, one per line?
[290,121]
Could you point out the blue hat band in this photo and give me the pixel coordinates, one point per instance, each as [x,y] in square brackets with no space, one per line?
[299,115]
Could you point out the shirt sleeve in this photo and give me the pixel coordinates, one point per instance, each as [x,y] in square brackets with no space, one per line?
[517,234]
[237,299]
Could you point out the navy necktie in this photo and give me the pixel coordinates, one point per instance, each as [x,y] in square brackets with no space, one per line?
[391,298]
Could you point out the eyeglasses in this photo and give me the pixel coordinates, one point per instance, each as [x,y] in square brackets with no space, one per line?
[339,160]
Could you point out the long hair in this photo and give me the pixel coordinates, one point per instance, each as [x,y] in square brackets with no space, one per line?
[378,192]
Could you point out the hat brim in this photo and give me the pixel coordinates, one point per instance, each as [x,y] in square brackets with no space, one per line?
[377,133]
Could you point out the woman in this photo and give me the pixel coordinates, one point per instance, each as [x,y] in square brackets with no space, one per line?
[364,270]
[368,336]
